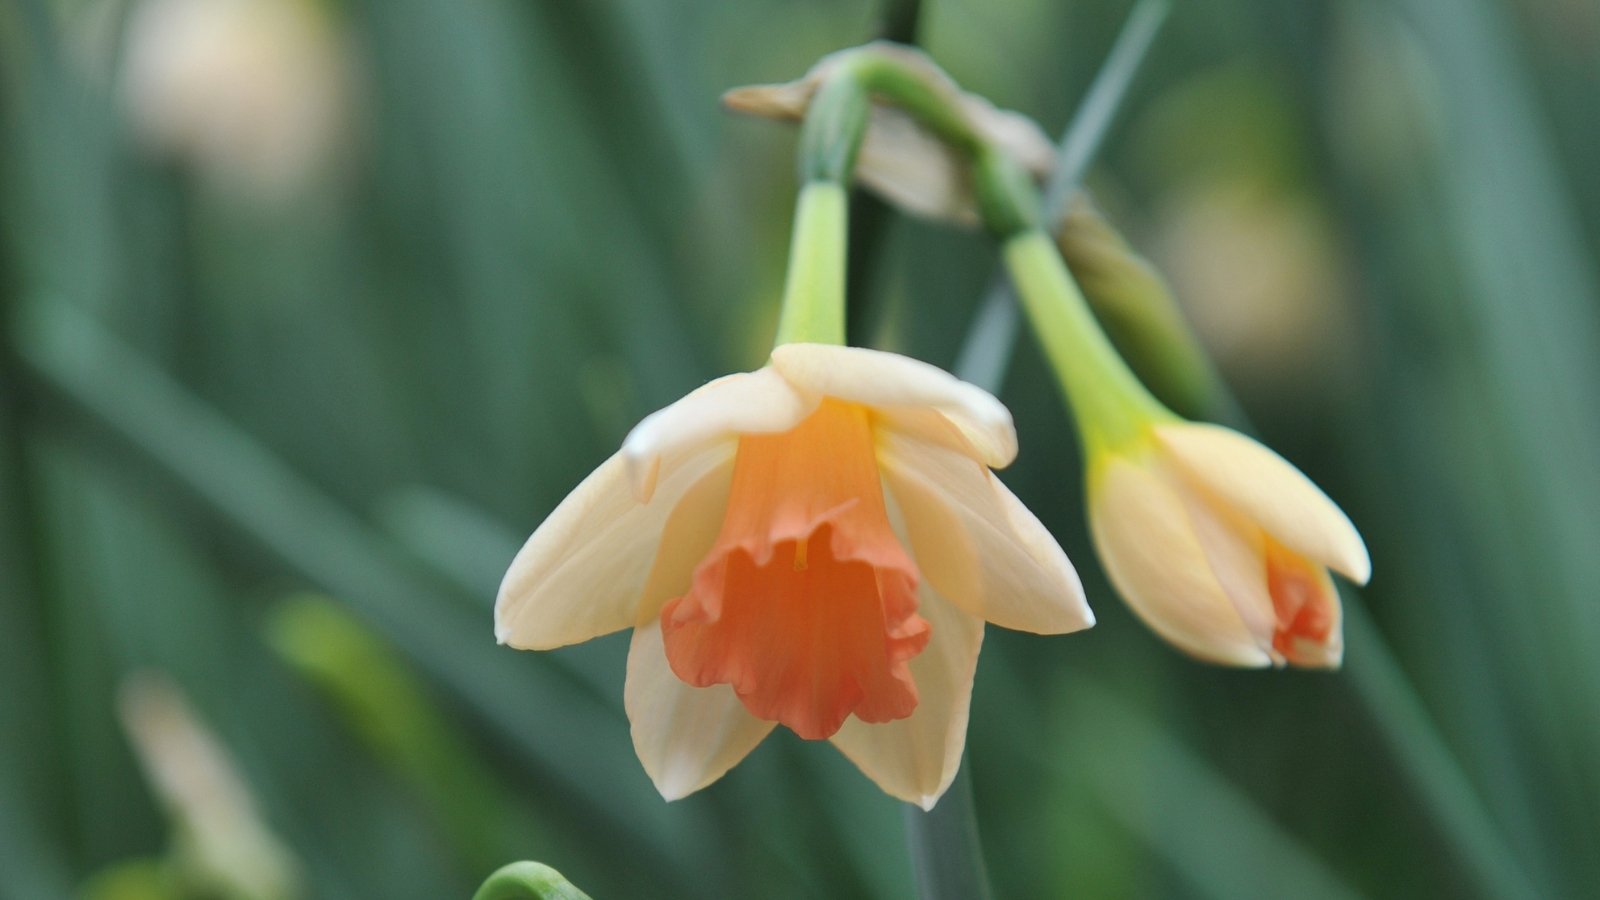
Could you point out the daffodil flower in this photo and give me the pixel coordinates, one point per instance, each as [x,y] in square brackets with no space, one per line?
[1217,542]
[1222,546]
[815,544]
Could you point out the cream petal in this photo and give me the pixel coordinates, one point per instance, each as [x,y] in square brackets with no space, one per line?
[915,171]
[687,737]
[1235,549]
[718,411]
[890,382]
[1148,545]
[976,543]
[914,759]
[582,572]
[688,537]
[1266,488]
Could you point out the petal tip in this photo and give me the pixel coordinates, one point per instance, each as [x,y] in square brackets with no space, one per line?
[672,791]
[1357,564]
[643,472]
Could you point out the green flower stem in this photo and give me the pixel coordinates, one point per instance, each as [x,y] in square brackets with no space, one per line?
[813,295]
[934,103]
[528,881]
[834,127]
[1135,306]
[1112,407]
[830,139]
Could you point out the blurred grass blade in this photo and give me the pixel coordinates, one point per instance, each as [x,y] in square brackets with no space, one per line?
[946,855]
[1382,687]
[258,497]
[1092,122]
[1211,833]
[1531,305]
[387,708]
[986,352]
[1386,695]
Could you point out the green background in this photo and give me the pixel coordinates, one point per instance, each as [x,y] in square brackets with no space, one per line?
[1382,216]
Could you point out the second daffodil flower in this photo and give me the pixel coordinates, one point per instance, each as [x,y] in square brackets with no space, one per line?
[1223,547]
[815,544]
[1217,542]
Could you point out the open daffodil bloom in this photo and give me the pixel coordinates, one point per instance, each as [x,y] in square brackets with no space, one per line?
[815,544]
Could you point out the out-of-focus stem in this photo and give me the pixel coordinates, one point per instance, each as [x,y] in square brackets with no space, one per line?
[946,856]
[528,881]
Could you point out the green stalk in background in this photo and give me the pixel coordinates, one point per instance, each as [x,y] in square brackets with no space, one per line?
[387,709]
[528,881]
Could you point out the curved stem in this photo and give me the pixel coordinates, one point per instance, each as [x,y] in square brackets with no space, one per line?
[1111,406]
[528,881]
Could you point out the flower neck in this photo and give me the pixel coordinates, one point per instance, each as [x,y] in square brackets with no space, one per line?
[813,294]
[1113,408]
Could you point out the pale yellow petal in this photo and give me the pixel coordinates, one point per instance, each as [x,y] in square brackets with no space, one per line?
[689,534]
[716,412]
[914,759]
[1148,545]
[976,543]
[889,382]
[687,737]
[1266,488]
[1235,549]
[914,170]
[583,571]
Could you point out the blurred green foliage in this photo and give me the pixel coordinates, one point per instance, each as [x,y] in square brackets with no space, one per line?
[1381,216]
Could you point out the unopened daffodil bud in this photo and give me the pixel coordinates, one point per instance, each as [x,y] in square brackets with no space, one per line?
[1219,544]
[901,159]
[1222,546]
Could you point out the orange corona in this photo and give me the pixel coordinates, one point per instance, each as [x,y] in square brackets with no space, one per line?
[807,604]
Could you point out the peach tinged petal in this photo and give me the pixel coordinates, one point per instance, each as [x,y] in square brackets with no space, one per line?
[1154,558]
[915,759]
[686,737]
[889,383]
[1265,488]
[976,543]
[582,571]
[1309,630]
[716,412]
